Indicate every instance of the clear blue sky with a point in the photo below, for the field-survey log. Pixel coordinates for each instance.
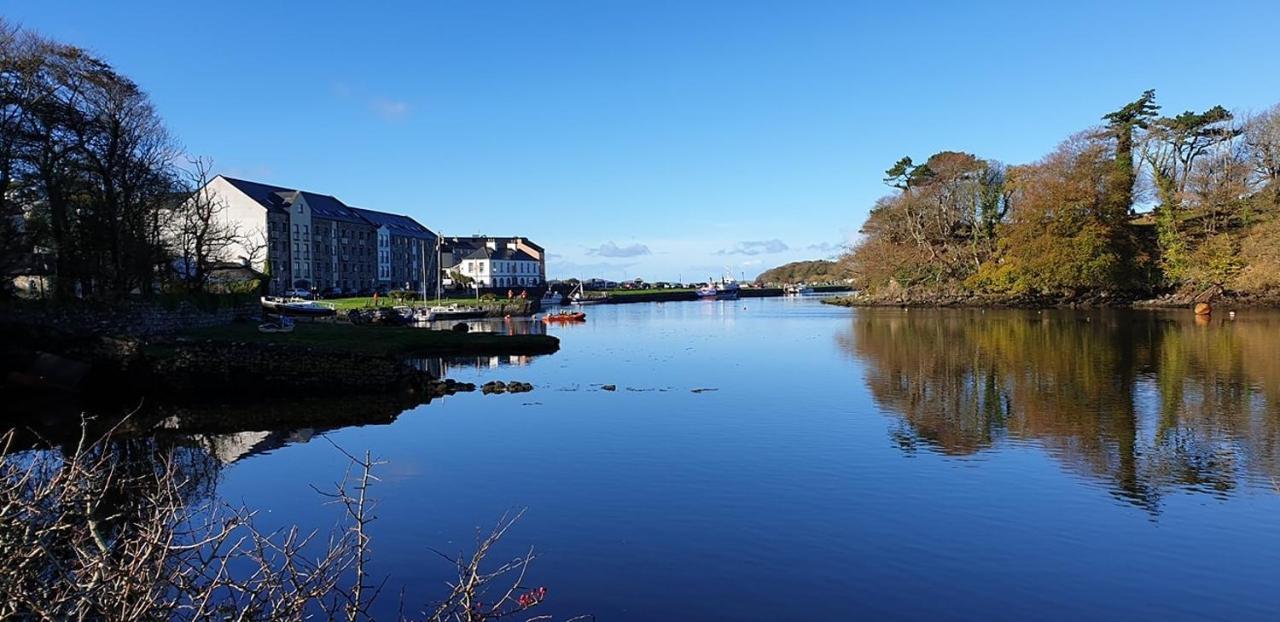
(655, 139)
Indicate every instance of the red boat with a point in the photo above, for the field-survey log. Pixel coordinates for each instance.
(565, 316)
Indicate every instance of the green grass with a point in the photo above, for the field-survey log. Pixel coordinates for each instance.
(622, 293)
(382, 339)
(343, 304)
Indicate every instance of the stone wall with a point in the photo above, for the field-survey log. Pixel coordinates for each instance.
(137, 318)
(233, 371)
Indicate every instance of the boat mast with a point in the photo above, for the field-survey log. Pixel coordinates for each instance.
(423, 277)
(438, 269)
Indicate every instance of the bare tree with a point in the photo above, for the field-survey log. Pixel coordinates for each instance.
(198, 230)
(1262, 136)
(133, 532)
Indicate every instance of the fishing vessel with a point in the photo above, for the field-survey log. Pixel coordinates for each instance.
(551, 297)
(724, 289)
(797, 290)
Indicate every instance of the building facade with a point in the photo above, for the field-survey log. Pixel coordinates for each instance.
(304, 240)
(495, 262)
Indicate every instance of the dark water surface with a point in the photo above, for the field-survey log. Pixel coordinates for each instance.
(839, 464)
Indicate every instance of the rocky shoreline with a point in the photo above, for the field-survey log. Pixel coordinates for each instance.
(1093, 300)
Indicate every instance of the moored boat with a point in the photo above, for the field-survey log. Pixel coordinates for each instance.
(296, 307)
(551, 298)
(565, 317)
(579, 297)
(724, 289)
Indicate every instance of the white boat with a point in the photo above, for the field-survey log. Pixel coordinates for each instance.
(551, 298)
(296, 306)
(440, 313)
(797, 290)
(579, 297)
(724, 289)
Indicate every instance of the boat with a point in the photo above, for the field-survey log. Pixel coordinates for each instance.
(453, 312)
(724, 289)
(565, 317)
(551, 298)
(296, 307)
(281, 324)
(797, 290)
(579, 297)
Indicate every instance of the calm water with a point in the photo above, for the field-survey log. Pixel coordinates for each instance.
(837, 464)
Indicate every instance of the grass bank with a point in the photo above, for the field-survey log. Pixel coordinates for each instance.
(381, 339)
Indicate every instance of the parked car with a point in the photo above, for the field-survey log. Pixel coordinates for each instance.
(298, 292)
(365, 292)
(331, 292)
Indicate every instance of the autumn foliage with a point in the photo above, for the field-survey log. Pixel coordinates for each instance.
(1141, 207)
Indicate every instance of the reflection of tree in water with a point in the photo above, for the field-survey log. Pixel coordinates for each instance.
(1143, 401)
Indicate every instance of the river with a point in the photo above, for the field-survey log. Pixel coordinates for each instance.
(773, 459)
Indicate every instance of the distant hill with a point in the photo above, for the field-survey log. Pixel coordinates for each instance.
(816, 271)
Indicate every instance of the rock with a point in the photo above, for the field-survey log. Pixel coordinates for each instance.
(461, 327)
(493, 386)
(610, 387)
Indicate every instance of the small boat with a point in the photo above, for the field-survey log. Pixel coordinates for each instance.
(551, 298)
(565, 317)
(454, 312)
(440, 313)
(797, 290)
(579, 297)
(724, 289)
(296, 307)
(281, 324)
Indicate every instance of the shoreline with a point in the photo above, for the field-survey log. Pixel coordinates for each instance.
(975, 301)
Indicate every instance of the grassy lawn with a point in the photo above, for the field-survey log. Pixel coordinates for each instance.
(383, 339)
(622, 293)
(343, 304)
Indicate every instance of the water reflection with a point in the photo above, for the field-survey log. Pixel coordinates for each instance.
(447, 366)
(1144, 402)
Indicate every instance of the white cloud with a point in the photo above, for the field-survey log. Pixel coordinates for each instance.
(609, 249)
(390, 109)
(758, 247)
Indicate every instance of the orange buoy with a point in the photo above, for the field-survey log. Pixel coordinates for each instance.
(1203, 308)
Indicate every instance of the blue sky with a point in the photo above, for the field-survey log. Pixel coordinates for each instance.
(656, 139)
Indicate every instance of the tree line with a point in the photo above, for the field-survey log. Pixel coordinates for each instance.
(91, 178)
(1142, 205)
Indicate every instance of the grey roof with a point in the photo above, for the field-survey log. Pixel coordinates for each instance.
(484, 252)
(481, 240)
(268, 196)
(276, 198)
(326, 206)
(397, 224)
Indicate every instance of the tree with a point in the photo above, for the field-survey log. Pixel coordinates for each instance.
(1262, 137)
(86, 161)
(1059, 240)
(197, 229)
(1121, 126)
(1171, 149)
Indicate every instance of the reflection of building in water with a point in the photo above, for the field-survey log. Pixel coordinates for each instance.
(441, 367)
(498, 326)
(1142, 401)
(228, 448)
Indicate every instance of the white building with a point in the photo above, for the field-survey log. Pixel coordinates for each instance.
(496, 262)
